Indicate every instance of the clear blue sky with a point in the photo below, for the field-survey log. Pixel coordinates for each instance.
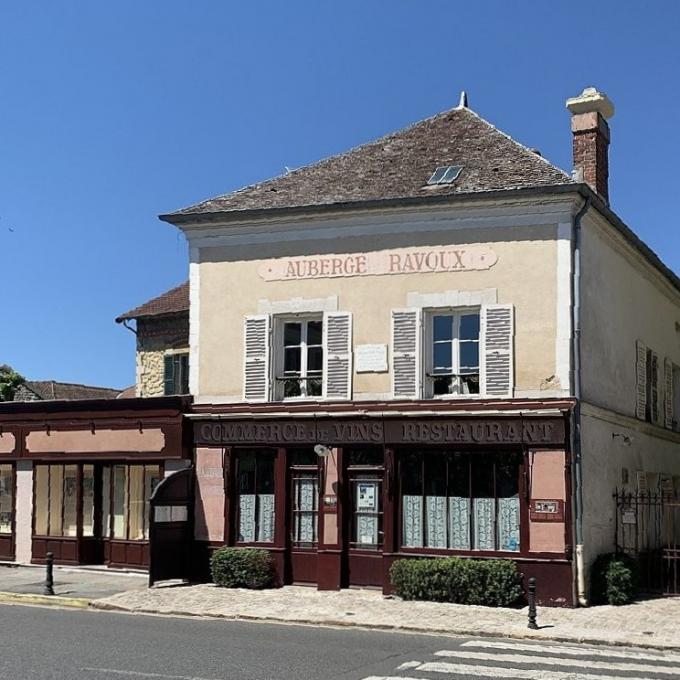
(113, 112)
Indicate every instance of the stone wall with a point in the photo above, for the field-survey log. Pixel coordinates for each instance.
(156, 337)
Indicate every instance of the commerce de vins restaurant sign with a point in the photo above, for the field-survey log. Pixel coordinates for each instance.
(440, 431)
(399, 261)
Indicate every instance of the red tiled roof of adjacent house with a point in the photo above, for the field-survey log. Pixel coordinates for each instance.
(41, 390)
(173, 301)
(398, 166)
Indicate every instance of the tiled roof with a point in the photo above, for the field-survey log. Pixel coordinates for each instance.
(173, 301)
(41, 390)
(398, 166)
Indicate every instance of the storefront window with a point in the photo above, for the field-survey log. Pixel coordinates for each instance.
(88, 500)
(256, 496)
(56, 500)
(460, 501)
(132, 488)
(6, 499)
(305, 507)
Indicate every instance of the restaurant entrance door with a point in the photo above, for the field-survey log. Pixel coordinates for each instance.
(364, 525)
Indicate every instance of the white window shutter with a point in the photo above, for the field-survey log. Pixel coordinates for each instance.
(668, 393)
(406, 353)
(641, 372)
(496, 332)
(337, 355)
(256, 358)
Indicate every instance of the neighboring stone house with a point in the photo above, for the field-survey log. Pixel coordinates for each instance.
(41, 390)
(427, 346)
(162, 330)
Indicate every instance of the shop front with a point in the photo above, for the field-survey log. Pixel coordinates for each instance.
(337, 498)
(85, 472)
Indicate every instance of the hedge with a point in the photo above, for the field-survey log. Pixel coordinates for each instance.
(493, 583)
(614, 579)
(242, 568)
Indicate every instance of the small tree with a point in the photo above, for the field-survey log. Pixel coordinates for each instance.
(10, 380)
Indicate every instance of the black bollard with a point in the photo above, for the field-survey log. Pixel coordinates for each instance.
(531, 596)
(49, 575)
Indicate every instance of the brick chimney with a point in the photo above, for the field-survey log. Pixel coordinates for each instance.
(589, 114)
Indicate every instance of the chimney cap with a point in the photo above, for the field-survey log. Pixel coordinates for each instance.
(591, 100)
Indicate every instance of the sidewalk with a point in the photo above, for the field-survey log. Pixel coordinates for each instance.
(72, 586)
(650, 623)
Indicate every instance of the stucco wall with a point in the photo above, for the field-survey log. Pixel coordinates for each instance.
(623, 301)
(648, 448)
(155, 338)
(524, 275)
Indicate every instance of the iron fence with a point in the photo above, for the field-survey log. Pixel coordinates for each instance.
(648, 528)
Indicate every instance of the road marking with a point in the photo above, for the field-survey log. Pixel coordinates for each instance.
(140, 674)
(572, 651)
(556, 661)
(409, 664)
(522, 673)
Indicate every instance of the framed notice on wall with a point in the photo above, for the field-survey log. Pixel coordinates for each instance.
(366, 496)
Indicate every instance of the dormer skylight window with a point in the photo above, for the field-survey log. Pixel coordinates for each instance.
(445, 174)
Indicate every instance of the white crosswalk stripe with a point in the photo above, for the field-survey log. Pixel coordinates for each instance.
(566, 650)
(497, 659)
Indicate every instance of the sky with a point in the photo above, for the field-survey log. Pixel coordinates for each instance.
(114, 112)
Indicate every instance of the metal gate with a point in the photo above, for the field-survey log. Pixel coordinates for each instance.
(648, 528)
(171, 527)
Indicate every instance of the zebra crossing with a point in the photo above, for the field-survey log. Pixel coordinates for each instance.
(536, 661)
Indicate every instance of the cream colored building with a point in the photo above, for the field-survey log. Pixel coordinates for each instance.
(436, 343)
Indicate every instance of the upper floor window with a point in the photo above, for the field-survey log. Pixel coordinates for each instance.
(656, 389)
(176, 374)
(301, 345)
(453, 365)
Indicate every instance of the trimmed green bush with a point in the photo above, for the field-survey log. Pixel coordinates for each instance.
(614, 579)
(242, 568)
(492, 583)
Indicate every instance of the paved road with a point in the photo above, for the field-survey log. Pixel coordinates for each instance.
(53, 644)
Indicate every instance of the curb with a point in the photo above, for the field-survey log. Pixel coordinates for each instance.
(466, 632)
(44, 600)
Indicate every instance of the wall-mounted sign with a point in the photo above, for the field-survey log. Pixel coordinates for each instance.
(628, 516)
(336, 431)
(370, 358)
(546, 510)
(330, 501)
(399, 261)
(366, 496)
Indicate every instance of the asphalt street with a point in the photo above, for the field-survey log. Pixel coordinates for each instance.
(55, 644)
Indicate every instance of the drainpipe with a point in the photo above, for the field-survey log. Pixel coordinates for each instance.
(576, 412)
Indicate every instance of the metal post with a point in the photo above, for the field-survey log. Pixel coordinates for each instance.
(531, 596)
(49, 575)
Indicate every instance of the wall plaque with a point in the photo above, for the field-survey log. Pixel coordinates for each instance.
(423, 260)
(370, 358)
(546, 510)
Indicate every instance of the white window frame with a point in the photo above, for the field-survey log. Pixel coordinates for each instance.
(428, 347)
(278, 350)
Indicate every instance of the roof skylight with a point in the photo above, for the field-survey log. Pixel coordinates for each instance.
(445, 174)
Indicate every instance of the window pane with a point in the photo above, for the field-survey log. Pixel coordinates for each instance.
(119, 501)
(469, 327)
(265, 472)
(291, 388)
(265, 497)
(442, 357)
(291, 360)
(314, 359)
(484, 503)
(507, 487)
(152, 477)
(136, 503)
(70, 527)
(442, 327)
(292, 333)
(246, 481)
(412, 501)
(56, 497)
(305, 456)
(314, 332)
(459, 502)
(6, 495)
(42, 493)
(435, 501)
(314, 387)
(442, 385)
(469, 355)
(106, 502)
(88, 500)
(305, 506)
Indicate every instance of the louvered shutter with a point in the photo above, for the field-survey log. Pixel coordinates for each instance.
(653, 377)
(641, 372)
(169, 374)
(337, 355)
(406, 355)
(496, 341)
(256, 356)
(668, 393)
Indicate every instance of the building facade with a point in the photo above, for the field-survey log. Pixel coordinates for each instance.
(421, 357)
